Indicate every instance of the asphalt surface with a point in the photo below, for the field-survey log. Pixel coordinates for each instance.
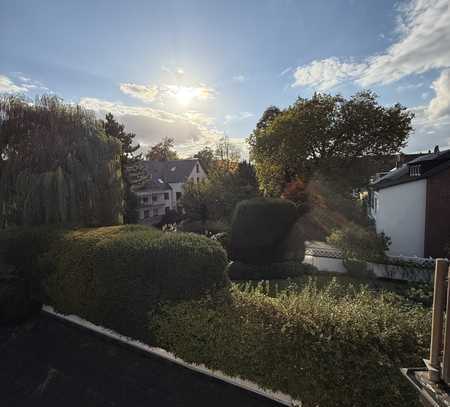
(47, 362)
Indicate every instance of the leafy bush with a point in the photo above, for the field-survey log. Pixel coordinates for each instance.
(289, 269)
(224, 239)
(360, 243)
(258, 229)
(296, 192)
(115, 276)
(322, 347)
(21, 288)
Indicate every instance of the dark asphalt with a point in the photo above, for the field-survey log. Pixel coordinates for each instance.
(46, 362)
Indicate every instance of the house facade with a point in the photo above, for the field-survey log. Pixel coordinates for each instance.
(411, 205)
(159, 185)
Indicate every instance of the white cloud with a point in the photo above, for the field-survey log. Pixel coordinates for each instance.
(230, 118)
(423, 35)
(440, 105)
(8, 86)
(428, 132)
(285, 71)
(142, 92)
(184, 94)
(327, 73)
(191, 130)
(239, 78)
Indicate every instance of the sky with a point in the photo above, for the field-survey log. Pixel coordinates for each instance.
(198, 70)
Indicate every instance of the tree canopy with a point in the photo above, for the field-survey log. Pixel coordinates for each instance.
(57, 165)
(324, 133)
(206, 157)
(162, 151)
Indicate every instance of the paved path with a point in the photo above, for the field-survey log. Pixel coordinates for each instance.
(46, 362)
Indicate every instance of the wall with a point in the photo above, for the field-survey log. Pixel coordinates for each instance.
(437, 233)
(326, 263)
(400, 214)
(160, 203)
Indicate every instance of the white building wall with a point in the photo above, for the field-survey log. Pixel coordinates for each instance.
(194, 176)
(400, 213)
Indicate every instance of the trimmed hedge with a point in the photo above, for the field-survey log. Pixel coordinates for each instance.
(318, 345)
(21, 291)
(259, 227)
(289, 269)
(115, 276)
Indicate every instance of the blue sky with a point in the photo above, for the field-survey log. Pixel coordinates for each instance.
(195, 70)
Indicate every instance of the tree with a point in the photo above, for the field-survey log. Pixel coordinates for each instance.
(325, 133)
(227, 154)
(206, 158)
(57, 165)
(128, 157)
(117, 130)
(162, 151)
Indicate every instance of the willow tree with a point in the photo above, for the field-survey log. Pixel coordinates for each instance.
(57, 165)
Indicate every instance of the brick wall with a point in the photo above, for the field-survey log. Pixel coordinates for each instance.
(437, 220)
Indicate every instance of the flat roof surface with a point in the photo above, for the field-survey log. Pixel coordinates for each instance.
(48, 362)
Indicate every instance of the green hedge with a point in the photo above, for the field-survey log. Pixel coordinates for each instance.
(259, 227)
(318, 345)
(21, 291)
(115, 276)
(289, 269)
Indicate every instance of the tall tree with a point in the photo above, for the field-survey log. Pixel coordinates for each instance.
(325, 133)
(162, 151)
(117, 130)
(227, 154)
(128, 157)
(206, 158)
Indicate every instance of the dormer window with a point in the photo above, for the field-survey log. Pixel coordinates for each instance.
(414, 170)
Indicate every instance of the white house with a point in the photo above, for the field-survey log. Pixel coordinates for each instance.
(159, 185)
(411, 205)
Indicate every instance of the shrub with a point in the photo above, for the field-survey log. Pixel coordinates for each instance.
(319, 346)
(289, 269)
(258, 229)
(115, 276)
(224, 239)
(21, 290)
(360, 243)
(296, 192)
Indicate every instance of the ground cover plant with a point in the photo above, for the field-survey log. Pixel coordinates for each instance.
(325, 346)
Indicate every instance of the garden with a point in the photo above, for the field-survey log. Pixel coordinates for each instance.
(240, 301)
(323, 341)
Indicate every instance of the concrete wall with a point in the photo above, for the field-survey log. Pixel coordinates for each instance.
(400, 214)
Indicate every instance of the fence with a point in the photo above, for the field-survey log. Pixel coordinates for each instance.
(439, 363)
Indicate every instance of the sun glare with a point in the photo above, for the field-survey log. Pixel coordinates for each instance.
(184, 95)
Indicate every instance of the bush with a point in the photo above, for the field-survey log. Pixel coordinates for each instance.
(258, 229)
(319, 346)
(359, 243)
(289, 269)
(224, 239)
(115, 276)
(21, 290)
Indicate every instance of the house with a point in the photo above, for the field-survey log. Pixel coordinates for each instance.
(159, 185)
(411, 205)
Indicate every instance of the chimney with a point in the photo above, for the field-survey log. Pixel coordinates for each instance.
(436, 150)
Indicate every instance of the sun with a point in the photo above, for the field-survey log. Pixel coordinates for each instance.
(184, 95)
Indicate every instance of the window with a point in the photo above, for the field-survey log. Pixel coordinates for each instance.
(145, 199)
(178, 195)
(146, 214)
(155, 212)
(198, 180)
(197, 167)
(414, 170)
(154, 197)
(166, 196)
(167, 210)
